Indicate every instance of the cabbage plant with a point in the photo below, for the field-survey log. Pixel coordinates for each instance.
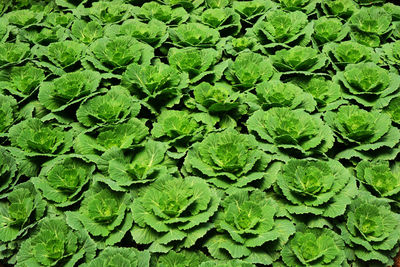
(353, 127)
(369, 84)
(248, 227)
(103, 213)
(63, 179)
(321, 188)
(371, 229)
(37, 138)
(292, 130)
(181, 213)
(314, 247)
(227, 159)
(53, 243)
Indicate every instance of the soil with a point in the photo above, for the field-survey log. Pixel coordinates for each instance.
(397, 260)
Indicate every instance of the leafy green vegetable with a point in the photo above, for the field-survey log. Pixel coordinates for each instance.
(369, 84)
(157, 84)
(227, 159)
(194, 35)
(282, 27)
(119, 52)
(371, 23)
(329, 30)
(371, 229)
(21, 80)
(248, 221)
(298, 59)
(326, 93)
(13, 53)
(114, 107)
(316, 187)
(21, 211)
(314, 247)
(341, 8)
(185, 133)
(68, 89)
(173, 212)
(198, 63)
(217, 98)
(36, 138)
(53, 242)
(361, 129)
(248, 69)
(121, 136)
(380, 178)
(8, 107)
(102, 213)
(8, 168)
(292, 130)
(62, 180)
(278, 94)
(116, 257)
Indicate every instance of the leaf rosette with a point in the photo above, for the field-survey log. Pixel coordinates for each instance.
(380, 179)
(20, 211)
(318, 187)
(370, 25)
(158, 84)
(250, 11)
(8, 170)
(369, 84)
(86, 32)
(249, 227)
(349, 52)
(393, 109)
(275, 93)
(165, 13)
(248, 69)
(281, 28)
(371, 229)
(68, 89)
(122, 136)
(61, 54)
(103, 213)
(21, 80)
(179, 128)
(144, 164)
(109, 54)
(108, 11)
(13, 53)
(227, 159)
(62, 180)
(217, 98)
(197, 63)
(292, 130)
(225, 20)
(339, 8)
(8, 108)
(326, 93)
(329, 30)
(53, 243)
(314, 247)
(307, 6)
(119, 256)
(114, 107)
(194, 34)
(37, 138)
(153, 32)
(298, 59)
(362, 130)
(173, 212)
